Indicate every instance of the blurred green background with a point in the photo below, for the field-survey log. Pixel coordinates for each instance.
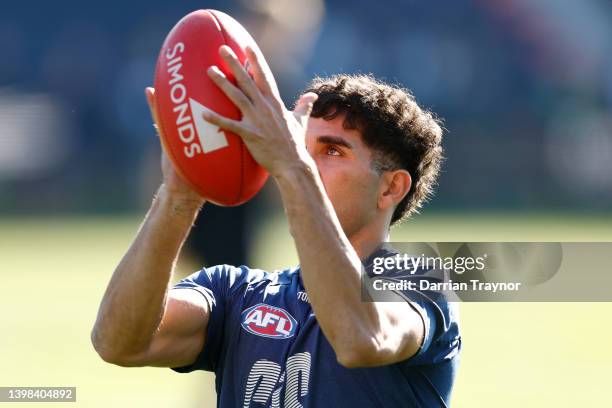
(515, 354)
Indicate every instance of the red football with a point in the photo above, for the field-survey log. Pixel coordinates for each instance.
(216, 163)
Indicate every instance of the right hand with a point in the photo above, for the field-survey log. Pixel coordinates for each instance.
(172, 181)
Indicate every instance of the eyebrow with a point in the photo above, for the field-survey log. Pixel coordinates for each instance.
(336, 140)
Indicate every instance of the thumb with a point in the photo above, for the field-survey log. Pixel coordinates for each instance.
(303, 107)
(150, 94)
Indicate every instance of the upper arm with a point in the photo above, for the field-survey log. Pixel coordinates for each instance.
(181, 334)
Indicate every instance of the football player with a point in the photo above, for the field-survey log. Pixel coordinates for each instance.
(354, 157)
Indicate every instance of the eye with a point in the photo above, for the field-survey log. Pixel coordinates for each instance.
(333, 151)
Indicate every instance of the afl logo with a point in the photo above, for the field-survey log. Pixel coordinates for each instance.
(268, 321)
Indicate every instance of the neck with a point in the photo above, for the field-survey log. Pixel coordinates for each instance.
(368, 238)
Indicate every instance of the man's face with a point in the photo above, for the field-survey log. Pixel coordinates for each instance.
(343, 161)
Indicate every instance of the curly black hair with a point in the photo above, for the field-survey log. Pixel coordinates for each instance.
(400, 134)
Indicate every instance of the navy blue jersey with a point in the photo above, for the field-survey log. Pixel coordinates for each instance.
(267, 350)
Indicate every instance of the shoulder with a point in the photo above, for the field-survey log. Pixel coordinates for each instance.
(229, 277)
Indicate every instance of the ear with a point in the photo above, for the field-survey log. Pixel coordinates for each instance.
(394, 186)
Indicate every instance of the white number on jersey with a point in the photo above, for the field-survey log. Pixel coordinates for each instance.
(265, 382)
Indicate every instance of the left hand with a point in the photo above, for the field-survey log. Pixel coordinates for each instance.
(274, 135)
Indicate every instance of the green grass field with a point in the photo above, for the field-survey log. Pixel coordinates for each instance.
(54, 272)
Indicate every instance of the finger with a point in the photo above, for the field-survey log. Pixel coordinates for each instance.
(303, 107)
(245, 82)
(229, 89)
(262, 75)
(233, 126)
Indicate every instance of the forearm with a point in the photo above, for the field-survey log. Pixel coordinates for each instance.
(330, 266)
(134, 301)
